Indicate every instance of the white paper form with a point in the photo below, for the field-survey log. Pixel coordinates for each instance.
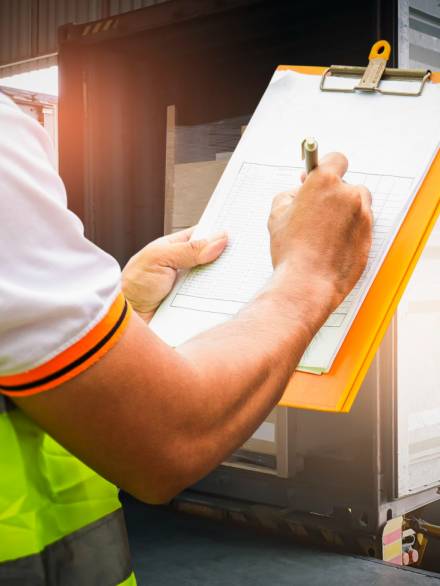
(390, 142)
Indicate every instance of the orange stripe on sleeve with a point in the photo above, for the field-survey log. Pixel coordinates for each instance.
(75, 359)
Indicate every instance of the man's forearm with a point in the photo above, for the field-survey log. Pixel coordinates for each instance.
(242, 368)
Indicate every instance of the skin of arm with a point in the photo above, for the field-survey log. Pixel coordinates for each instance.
(153, 419)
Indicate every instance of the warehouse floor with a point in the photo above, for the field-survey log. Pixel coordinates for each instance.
(170, 548)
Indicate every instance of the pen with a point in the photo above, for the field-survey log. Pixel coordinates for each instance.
(309, 152)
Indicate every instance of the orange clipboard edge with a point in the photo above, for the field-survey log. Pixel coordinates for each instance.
(337, 390)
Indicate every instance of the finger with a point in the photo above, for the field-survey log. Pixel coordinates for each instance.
(185, 255)
(334, 163)
(365, 195)
(181, 236)
(366, 200)
(303, 176)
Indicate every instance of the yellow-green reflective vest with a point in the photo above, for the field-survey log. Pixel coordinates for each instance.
(60, 523)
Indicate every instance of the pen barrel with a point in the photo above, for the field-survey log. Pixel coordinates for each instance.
(310, 154)
(311, 160)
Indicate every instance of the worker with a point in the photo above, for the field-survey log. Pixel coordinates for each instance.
(92, 399)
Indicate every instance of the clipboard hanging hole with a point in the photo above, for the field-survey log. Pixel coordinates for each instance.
(380, 50)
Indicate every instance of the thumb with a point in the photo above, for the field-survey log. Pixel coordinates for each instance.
(185, 255)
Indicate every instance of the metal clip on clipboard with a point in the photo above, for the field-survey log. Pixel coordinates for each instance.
(375, 72)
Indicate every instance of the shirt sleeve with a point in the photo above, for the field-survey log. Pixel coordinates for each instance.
(61, 307)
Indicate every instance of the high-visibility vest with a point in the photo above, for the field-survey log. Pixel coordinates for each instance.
(61, 524)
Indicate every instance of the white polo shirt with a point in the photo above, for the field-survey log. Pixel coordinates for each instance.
(60, 302)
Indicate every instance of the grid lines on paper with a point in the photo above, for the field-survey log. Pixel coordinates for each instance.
(245, 266)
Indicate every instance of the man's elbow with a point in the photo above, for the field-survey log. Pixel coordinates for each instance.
(160, 489)
(159, 486)
(155, 495)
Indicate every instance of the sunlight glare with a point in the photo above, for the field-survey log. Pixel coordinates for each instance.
(44, 81)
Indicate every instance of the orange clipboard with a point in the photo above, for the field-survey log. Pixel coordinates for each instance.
(336, 390)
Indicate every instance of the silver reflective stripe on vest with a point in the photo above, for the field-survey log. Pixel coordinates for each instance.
(6, 404)
(95, 555)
